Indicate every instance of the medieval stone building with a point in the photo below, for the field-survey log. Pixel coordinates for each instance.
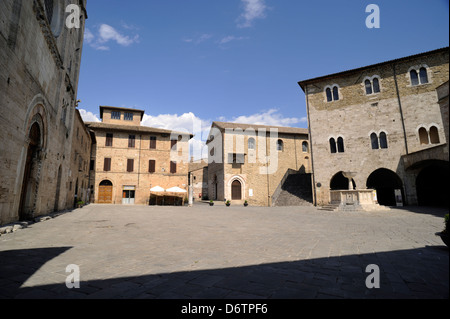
(384, 125)
(135, 164)
(40, 62)
(253, 163)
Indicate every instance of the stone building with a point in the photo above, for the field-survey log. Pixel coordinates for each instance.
(253, 163)
(383, 124)
(40, 62)
(80, 160)
(132, 164)
(198, 179)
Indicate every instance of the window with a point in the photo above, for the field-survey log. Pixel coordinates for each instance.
(383, 140)
(372, 86)
(115, 115)
(173, 145)
(152, 142)
(374, 141)
(280, 145)
(128, 116)
(131, 141)
(340, 144)
(332, 93)
(329, 96)
(434, 135)
(335, 93)
(251, 143)
(305, 147)
(333, 145)
(173, 167)
(212, 151)
(423, 76)
(423, 136)
(109, 139)
(107, 164)
(236, 158)
(151, 166)
(130, 165)
(414, 77)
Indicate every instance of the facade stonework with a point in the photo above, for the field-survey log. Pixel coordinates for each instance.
(238, 168)
(377, 123)
(129, 160)
(40, 62)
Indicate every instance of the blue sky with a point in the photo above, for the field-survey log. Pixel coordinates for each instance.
(190, 62)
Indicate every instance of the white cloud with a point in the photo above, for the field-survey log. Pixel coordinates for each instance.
(88, 116)
(231, 38)
(106, 34)
(270, 117)
(198, 39)
(253, 9)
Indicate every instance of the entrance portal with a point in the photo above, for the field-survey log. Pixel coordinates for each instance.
(385, 182)
(340, 182)
(236, 190)
(105, 191)
(31, 174)
(432, 185)
(128, 195)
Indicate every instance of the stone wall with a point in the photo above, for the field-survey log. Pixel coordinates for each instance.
(40, 63)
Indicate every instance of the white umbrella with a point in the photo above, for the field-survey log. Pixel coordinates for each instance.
(176, 190)
(157, 189)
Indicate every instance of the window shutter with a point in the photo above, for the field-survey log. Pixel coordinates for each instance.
(173, 167)
(109, 139)
(130, 165)
(131, 140)
(107, 165)
(152, 142)
(151, 166)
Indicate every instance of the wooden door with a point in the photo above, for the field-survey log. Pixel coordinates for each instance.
(105, 194)
(236, 190)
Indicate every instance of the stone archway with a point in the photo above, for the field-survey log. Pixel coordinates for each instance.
(385, 182)
(340, 182)
(432, 185)
(31, 176)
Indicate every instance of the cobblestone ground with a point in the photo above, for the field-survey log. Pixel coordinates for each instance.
(227, 253)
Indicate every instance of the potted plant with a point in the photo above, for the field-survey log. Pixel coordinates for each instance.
(245, 203)
(211, 203)
(80, 204)
(228, 203)
(444, 234)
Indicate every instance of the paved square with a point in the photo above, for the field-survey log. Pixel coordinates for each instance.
(227, 252)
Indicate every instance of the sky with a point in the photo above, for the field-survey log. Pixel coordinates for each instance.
(188, 63)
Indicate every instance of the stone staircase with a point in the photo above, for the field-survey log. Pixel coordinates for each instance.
(329, 207)
(296, 190)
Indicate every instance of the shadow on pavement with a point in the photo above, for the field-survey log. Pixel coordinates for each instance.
(413, 273)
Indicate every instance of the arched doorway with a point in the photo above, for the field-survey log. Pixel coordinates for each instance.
(31, 173)
(340, 182)
(385, 182)
(105, 191)
(236, 190)
(432, 185)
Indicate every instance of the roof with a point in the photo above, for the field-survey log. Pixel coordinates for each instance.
(114, 108)
(132, 128)
(281, 129)
(348, 72)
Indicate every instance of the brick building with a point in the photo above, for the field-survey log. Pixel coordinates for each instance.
(383, 123)
(252, 163)
(40, 62)
(128, 159)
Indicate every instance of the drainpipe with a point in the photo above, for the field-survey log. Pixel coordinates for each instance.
(311, 148)
(400, 109)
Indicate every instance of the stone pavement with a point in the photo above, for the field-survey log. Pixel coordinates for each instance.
(221, 252)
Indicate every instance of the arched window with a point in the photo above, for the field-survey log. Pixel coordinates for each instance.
(423, 76)
(376, 85)
(280, 145)
(374, 141)
(329, 96)
(434, 135)
(335, 93)
(383, 140)
(340, 144)
(305, 147)
(333, 145)
(423, 136)
(251, 143)
(368, 86)
(414, 77)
